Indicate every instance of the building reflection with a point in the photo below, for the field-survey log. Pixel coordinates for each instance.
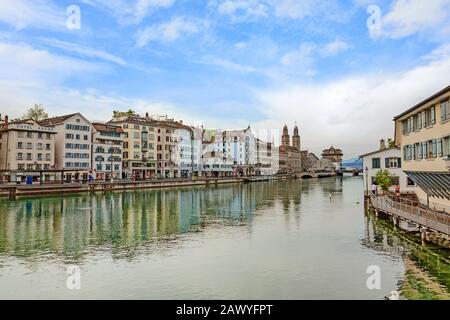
(73, 226)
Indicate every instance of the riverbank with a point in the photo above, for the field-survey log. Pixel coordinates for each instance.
(15, 191)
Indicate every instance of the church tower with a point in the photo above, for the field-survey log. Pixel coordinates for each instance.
(296, 139)
(285, 138)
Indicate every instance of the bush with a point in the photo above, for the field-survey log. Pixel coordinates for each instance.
(384, 179)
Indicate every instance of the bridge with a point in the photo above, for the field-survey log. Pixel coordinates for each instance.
(411, 211)
(314, 175)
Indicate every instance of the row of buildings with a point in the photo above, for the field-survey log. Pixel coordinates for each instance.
(135, 147)
(419, 156)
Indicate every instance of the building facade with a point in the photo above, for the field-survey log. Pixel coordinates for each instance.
(27, 149)
(389, 159)
(239, 145)
(266, 158)
(423, 134)
(334, 155)
(107, 151)
(290, 156)
(72, 146)
(139, 146)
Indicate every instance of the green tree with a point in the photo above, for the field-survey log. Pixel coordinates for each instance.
(117, 114)
(384, 179)
(391, 143)
(36, 113)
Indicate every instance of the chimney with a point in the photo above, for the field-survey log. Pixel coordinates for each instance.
(382, 144)
(6, 122)
(181, 121)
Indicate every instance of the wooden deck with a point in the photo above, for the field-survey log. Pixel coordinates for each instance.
(412, 212)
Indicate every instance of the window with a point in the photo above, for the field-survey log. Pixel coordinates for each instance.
(376, 163)
(391, 163)
(29, 145)
(47, 157)
(29, 135)
(445, 110)
(20, 145)
(125, 126)
(425, 150)
(29, 156)
(419, 151)
(39, 135)
(85, 137)
(434, 147)
(19, 156)
(39, 146)
(431, 116)
(409, 182)
(39, 156)
(446, 147)
(21, 166)
(440, 151)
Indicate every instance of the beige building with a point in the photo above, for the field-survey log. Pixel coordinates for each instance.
(107, 143)
(423, 134)
(26, 149)
(139, 146)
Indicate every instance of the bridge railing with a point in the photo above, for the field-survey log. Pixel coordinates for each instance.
(413, 211)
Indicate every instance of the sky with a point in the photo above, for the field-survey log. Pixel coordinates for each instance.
(340, 70)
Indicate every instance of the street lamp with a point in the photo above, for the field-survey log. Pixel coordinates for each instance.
(367, 180)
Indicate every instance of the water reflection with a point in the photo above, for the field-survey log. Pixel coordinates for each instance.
(382, 237)
(72, 226)
(273, 240)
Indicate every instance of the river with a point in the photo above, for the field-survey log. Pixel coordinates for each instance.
(271, 240)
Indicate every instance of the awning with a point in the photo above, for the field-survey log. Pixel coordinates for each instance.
(435, 184)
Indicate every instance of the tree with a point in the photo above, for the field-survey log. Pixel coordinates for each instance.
(383, 178)
(391, 143)
(36, 113)
(117, 114)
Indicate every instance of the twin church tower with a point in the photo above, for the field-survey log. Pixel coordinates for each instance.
(285, 139)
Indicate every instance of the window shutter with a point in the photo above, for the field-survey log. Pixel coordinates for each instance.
(399, 162)
(386, 162)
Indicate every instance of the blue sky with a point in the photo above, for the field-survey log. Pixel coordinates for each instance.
(227, 63)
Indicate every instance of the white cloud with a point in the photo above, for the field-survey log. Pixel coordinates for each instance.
(37, 13)
(167, 32)
(86, 51)
(23, 64)
(306, 56)
(228, 65)
(407, 17)
(333, 48)
(243, 9)
(353, 112)
(130, 13)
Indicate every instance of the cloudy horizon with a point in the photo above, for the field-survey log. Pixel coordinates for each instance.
(230, 63)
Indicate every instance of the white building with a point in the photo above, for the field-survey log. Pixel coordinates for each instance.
(390, 159)
(107, 147)
(217, 164)
(72, 145)
(182, 156)
(240, 145)
(267, 159)
(197, 151)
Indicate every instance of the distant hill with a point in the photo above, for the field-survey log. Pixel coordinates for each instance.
(354, 163)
